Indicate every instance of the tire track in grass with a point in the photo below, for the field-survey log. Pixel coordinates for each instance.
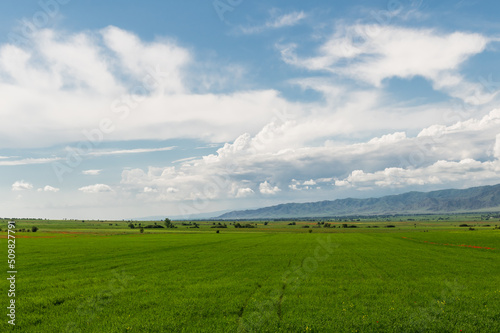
(280, 300)
(241, 311)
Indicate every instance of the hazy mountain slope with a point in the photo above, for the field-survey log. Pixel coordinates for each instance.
(443, 201)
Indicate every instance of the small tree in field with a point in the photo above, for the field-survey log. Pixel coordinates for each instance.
(169, 223)
(34, 229)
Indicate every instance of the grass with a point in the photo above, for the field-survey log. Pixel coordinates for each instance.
(78, 277)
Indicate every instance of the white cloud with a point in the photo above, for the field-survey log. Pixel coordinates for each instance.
(129, 151)
(185, 159)
(309, 182)
(21, 185)
(375, 53)
(441, 172)
(276, 22)
(244, 192)
(91, 172)
(266, 188)
(141, 59)
(97, 188)
(261, 160)
(110, 85)
(48, 188)
(27, 161)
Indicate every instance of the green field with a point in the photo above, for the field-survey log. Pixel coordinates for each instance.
(91, 276)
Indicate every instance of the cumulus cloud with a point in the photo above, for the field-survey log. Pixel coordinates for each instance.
(97, 188)
(376, 52)
(21, 185)
(244, 192)
(91, 172)
(266, 188)
(309, 182)
(48, 188)
(441, 172)
(464, 151)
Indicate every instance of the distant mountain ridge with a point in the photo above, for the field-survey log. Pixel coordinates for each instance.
(474, 199)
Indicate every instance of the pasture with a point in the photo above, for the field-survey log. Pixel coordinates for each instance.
(102, 276)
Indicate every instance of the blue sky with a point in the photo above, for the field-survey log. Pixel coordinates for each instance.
(177, 108)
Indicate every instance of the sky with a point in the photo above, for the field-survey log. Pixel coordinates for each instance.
(123, 110)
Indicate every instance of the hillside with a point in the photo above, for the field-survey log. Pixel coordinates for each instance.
(444, 201)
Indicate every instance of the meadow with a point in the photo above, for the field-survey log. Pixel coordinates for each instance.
(102, 276)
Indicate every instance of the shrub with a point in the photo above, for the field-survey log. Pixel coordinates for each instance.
(154, 226)
(34, 229)
(464, 225)
(305, 226)
(390, 226)
(310, 230)
(142, 230)
(238, 225)
(131, 226)
(219, 226)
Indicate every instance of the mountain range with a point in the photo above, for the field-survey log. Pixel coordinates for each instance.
(474, 199)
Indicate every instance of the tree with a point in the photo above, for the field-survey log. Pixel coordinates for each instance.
(34, 229)
(168, 223)
(131, 225)
(142, 230)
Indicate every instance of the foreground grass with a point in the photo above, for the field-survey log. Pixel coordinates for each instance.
(398, 281)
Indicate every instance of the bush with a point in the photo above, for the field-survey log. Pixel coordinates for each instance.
(305, 226)
(219, 226)
(34, 229)
(142, 230)
(390, 226)
(248, 225)
(310, 230)
(131, 226)
(154, 226)
(464, 225)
